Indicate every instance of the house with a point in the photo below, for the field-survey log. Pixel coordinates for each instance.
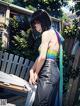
(6, 11)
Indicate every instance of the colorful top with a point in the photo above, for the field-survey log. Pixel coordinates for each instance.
(52, 54)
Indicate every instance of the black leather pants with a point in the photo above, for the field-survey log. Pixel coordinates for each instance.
(47, 84)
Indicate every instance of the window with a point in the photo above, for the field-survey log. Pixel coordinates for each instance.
(1, 14)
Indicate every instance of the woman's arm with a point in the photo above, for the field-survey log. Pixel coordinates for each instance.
(43, 50)
(34, 65)
(32, 73)
(40, 60)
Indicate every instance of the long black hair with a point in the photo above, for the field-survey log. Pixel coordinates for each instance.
(43, 17)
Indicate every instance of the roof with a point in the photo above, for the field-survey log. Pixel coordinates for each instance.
(17, 8)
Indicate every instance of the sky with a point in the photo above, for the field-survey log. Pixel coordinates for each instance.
(66, 9)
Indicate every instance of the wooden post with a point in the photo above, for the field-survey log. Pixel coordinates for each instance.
(5, 34)
(7, 16)
(5, 39)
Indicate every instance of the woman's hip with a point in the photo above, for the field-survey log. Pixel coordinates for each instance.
(49, 72)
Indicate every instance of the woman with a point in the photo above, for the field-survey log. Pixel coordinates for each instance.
(45, 72)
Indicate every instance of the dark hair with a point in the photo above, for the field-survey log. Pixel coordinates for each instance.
(43, 17)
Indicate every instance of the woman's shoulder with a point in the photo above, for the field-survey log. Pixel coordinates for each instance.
(48, 32)
(45, 32)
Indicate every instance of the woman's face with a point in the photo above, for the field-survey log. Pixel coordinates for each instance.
(37, 26)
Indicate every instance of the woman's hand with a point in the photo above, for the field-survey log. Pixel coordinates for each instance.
(33, 77)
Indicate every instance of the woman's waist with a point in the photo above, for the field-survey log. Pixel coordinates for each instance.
(52, 54)
(49, 62)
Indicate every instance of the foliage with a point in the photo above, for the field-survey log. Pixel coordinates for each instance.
(65, 71)
(70, 30)
(64, 17)
(21, 40)
(77, 7)
(52, 6)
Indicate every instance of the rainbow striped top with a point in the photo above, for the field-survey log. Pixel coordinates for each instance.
(52, 54)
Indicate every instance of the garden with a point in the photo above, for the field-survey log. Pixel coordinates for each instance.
(22, 42)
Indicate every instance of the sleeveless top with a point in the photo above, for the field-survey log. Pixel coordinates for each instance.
(52, 54)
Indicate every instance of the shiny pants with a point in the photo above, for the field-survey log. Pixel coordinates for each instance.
(47, 84)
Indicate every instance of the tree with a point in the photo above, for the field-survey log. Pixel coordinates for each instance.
(51, 6)
(21, 39)
(77, 8)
